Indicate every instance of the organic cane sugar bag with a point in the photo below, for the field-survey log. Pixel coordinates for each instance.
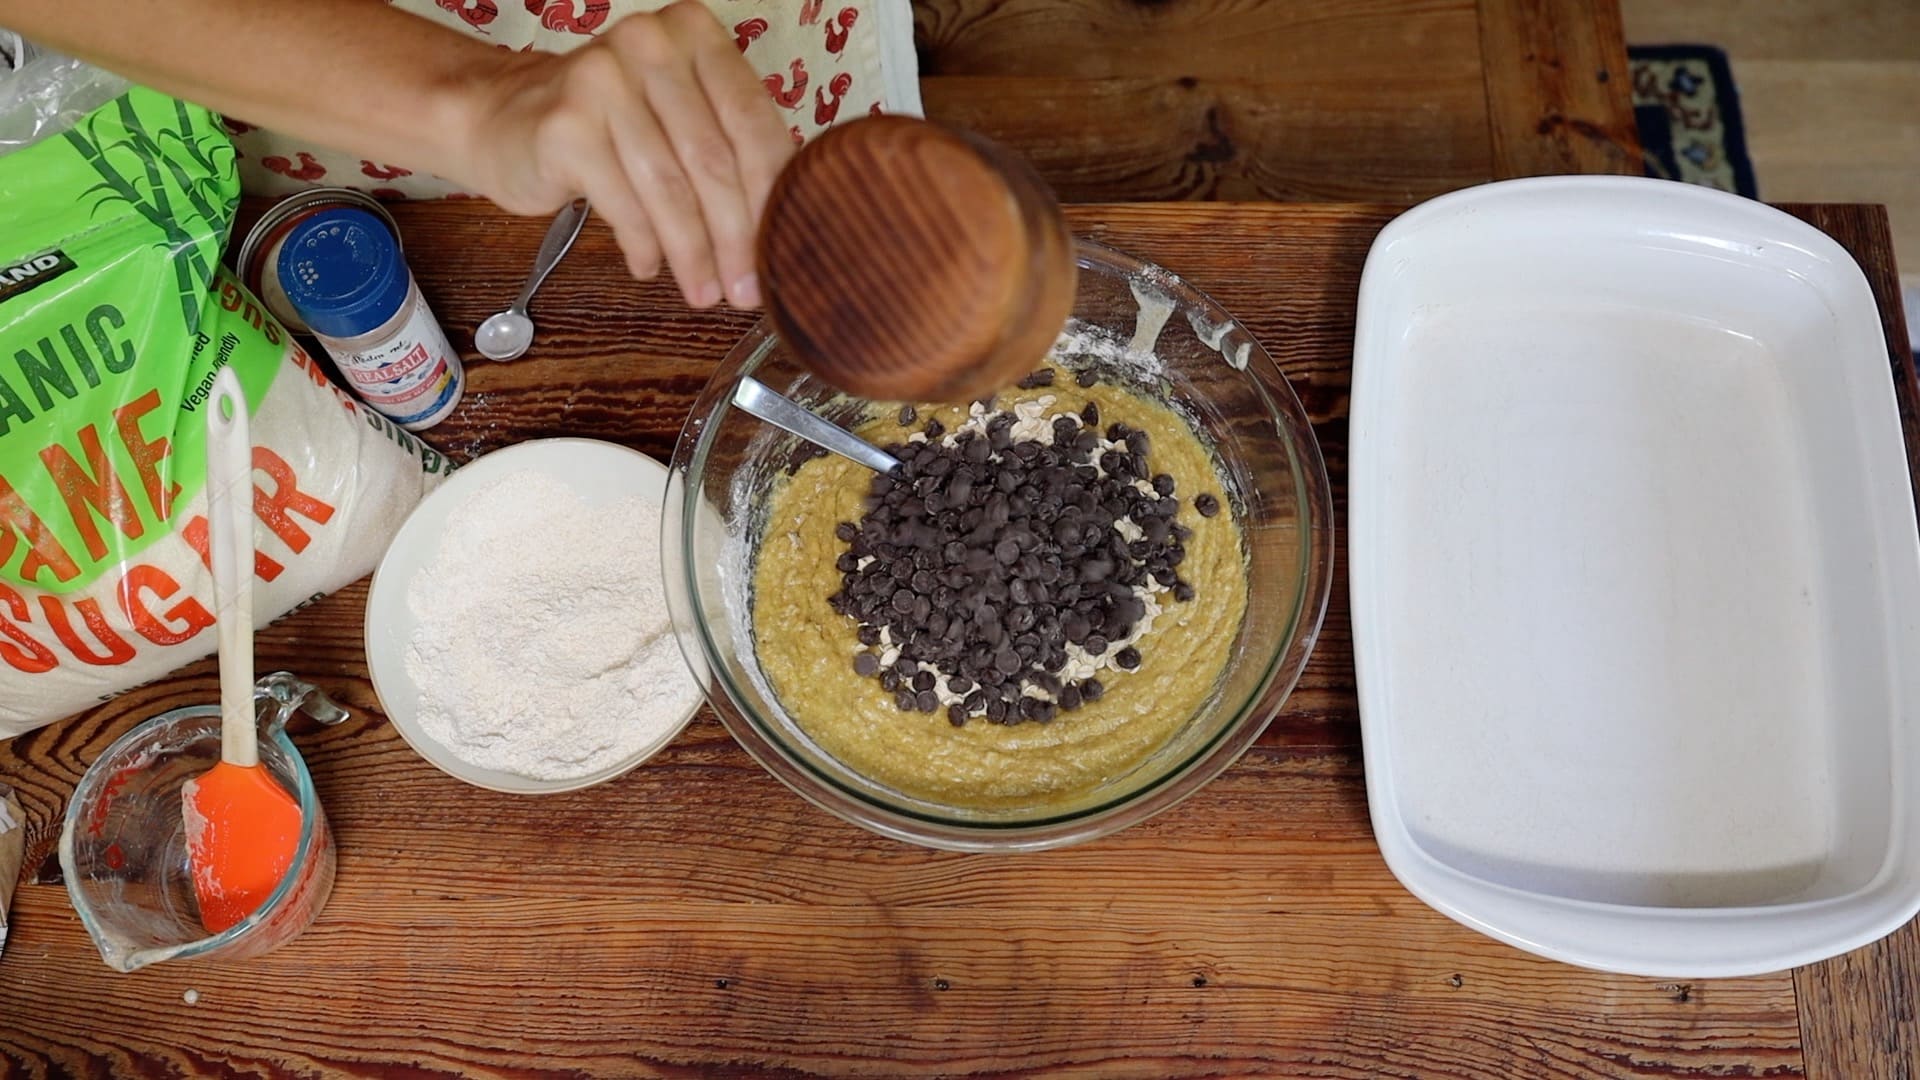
(114, 317)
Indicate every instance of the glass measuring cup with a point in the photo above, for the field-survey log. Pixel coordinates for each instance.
(124, 848)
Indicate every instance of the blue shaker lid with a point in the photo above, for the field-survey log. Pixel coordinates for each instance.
(343, 273)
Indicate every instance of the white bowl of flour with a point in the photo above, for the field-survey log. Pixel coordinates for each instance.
(517, 633)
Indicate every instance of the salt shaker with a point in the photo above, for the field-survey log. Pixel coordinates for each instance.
(344, 273)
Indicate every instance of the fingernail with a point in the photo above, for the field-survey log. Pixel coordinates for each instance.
(746, 291)
(707, 295)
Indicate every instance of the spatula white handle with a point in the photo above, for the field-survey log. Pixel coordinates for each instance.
(230, 537)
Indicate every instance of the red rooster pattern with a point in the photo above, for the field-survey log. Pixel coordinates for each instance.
(308, 169)
(788, 97)
(475, 13)
(838, 29)
(559, 14)
(826, 108)
(816, 60)
(746, 31)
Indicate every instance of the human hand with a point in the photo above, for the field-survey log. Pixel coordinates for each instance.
(659, 122)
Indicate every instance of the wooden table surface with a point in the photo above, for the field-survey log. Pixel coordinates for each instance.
(1289, 100)
(697, 918)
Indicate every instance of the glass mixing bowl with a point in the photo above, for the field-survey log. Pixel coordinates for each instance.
(1206, 367)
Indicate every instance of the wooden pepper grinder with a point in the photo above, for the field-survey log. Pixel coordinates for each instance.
(903, 261)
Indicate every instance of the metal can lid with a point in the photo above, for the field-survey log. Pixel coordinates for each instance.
(343, 272)
(258, 259)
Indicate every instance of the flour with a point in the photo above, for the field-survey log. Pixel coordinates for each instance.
(544, 648)
(1154, 308)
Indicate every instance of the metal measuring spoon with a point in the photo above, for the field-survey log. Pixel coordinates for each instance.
(763, 401)
(507, 334)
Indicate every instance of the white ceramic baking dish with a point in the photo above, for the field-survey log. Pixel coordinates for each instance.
(1635, 578)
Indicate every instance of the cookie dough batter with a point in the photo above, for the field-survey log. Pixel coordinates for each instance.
(805, 647)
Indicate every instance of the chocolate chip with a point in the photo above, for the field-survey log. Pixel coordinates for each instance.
(904, 701)
(1207, 503)
(908, 414)
(1042, 377)
(1182, 591)
(1085, 379)
(1070, 697)
(1128, 658)
(1092, 690)
(927, 701)
(957, 715)
(866, 665)
(846, 531)
(935, 429)
(985, 568)
(1090, 415)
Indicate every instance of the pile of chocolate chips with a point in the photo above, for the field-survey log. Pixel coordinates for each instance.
(983, 559)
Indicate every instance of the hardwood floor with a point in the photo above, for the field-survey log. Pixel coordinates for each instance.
(1831, 94)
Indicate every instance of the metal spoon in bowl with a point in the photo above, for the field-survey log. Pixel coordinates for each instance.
(761, 400)
(507, 334)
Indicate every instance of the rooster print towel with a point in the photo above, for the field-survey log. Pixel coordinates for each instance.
(820, 60)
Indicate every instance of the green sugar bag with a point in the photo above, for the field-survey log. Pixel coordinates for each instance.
(115, 314)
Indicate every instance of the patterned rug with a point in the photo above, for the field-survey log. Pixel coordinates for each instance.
(1689, 117)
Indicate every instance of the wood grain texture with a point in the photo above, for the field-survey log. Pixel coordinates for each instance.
(1299, 100)
(1386, 138)
(695, 918)
(1781, 29)
(904, 261)
(1557, 96)
(1860, 1013)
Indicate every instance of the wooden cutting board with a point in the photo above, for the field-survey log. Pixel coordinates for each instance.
(697, 918)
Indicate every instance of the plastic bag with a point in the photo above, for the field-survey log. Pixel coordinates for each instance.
(44, 93)
(114, 317)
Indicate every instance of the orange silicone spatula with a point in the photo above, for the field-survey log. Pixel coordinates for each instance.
(242, 826)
